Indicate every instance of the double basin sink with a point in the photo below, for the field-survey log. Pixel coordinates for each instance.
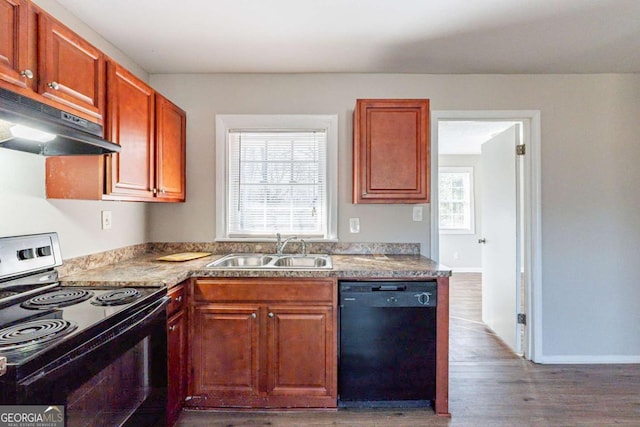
(274, 261)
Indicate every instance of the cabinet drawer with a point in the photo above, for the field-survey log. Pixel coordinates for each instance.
(264, 289)
(177, 295)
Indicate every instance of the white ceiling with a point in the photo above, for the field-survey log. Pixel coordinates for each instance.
(373, 36)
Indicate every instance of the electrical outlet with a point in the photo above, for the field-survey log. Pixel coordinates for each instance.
(354, 225)
(106, 220)
(417, 213)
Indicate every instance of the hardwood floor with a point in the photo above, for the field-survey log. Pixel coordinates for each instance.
(489, 386)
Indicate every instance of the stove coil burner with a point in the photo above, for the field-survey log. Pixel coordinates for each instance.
(57, 299)
(7, 294)
(117, 297)
(34, 332)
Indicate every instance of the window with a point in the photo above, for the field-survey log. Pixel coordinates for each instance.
(455, 192)
(276, 174)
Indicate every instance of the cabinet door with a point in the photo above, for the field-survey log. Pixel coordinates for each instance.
(71, 70)
(177, 365)
(225, 354)
(391, 151)
(131, 114)
(14, 43)
(171, 124)
(302, 357)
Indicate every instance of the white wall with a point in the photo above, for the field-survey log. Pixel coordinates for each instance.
(590, 201)
(466, 246)
(205, 96)
(23, 206)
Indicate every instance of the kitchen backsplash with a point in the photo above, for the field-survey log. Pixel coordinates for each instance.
(88, 262)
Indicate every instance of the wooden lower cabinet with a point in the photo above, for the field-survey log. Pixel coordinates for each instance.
(176, 353)
(225, 353)
(255, 344)
(299, 340)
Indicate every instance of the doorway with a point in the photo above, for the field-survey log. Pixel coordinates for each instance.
(457, 143)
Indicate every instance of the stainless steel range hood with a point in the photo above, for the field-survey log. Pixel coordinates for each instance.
(34, 127)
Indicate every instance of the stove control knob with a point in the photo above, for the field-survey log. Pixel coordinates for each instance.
(24, 254)
(43, 251)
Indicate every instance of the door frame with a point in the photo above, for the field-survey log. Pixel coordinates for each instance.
(532, 230)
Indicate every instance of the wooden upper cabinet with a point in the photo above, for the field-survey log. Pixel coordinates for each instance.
(151, 165)
(131, 124)
(71, 71)
(171, 124)
(391, 151)
(15, 64)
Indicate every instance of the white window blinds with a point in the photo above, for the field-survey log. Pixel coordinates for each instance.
(277, 183)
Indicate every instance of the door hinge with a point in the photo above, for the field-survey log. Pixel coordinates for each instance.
(522, 319)
(520, 150)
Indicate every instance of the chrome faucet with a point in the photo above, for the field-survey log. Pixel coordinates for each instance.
(280, 244)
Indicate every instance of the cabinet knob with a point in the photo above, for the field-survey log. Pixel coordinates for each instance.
(172, 328)
(163, 190)
(270, 314)
(178, 298)
(155, 191)
(54, 85)
(253, 315)
(27, 73)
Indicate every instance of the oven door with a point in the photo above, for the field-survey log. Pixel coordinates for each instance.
(119, 378)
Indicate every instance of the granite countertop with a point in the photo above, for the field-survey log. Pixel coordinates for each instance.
(145, 270)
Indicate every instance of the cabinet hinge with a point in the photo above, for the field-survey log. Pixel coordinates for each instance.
(522, 319)
(520, 150)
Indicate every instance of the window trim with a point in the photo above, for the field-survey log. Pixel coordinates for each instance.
(227, 122)
(472, 196)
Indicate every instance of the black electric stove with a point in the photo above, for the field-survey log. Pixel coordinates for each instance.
(34, 327)
(49, 331)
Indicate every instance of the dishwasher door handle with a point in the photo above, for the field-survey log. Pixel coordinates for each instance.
(390, 288)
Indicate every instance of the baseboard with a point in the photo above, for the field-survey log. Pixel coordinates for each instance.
(589, 360)
(466, 269)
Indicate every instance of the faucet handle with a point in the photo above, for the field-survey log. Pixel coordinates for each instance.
(278, 243)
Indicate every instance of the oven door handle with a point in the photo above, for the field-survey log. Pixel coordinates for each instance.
(156, 308)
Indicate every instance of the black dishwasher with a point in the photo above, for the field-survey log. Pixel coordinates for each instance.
(387, 344)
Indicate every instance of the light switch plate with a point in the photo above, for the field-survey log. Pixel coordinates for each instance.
(106, 220)
(417, 213)
(354, 225)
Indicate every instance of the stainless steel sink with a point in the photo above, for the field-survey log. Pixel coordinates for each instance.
(273, 261)
(242, 261)
(308, 261)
